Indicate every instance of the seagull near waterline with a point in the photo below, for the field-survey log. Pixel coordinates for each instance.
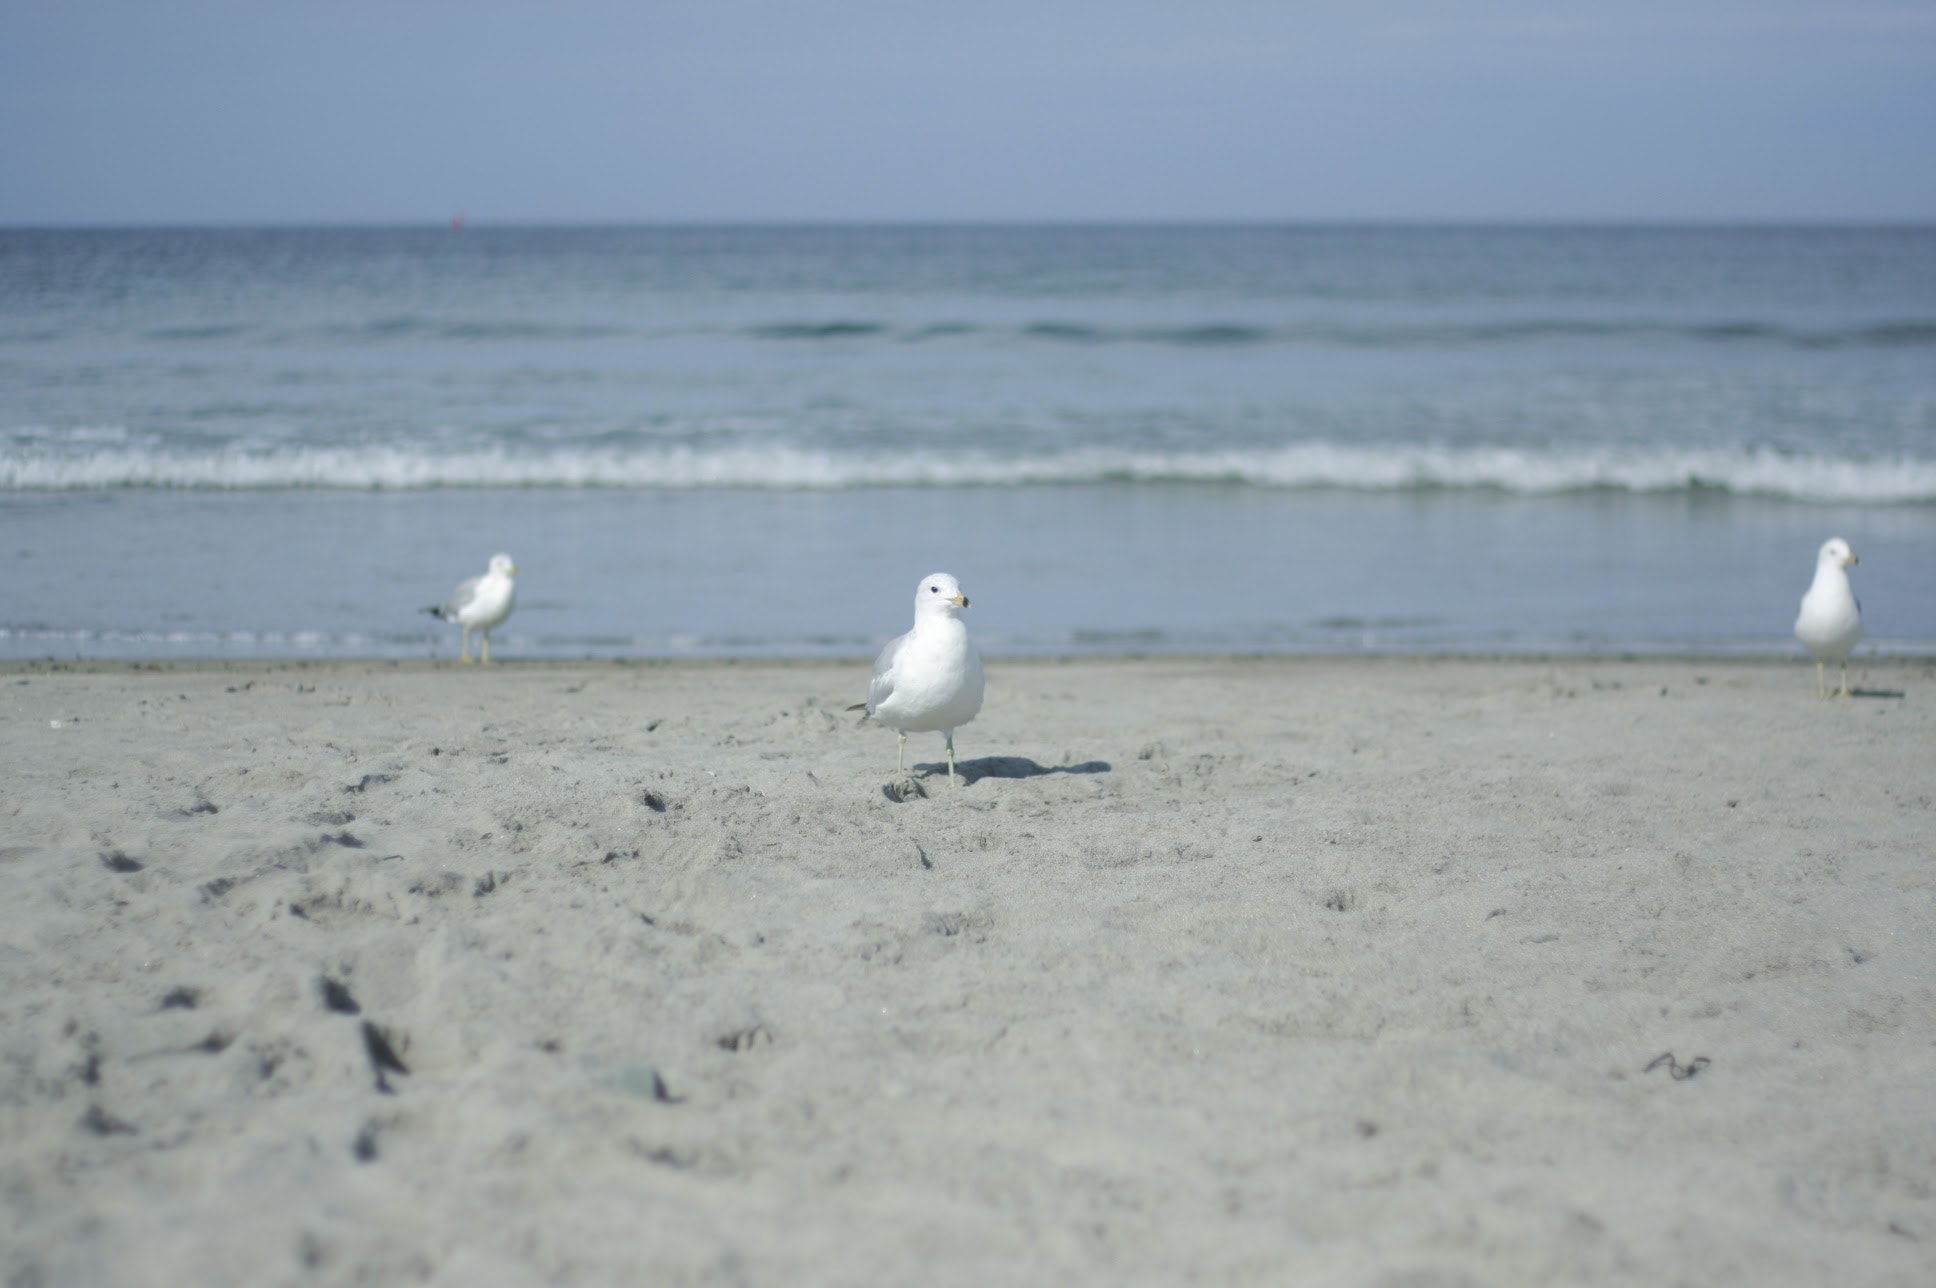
(1831, 620)
(929, 680)
(480, 604)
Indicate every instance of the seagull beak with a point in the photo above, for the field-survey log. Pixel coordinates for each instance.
(1852, 560)
(514, 570)
(959, 601)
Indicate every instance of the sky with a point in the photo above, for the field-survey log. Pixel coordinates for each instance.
(354, 111)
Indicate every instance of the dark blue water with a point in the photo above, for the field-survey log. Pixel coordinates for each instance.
(745, 440)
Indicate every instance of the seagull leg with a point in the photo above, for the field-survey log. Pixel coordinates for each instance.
(900, 756)
(950, 735)
(485, 649)
(464, 655)
(1821, 680)
(1845, 680)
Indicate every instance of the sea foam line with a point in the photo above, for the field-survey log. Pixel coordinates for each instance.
(1392, 468)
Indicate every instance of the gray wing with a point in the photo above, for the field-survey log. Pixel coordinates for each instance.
(459, 599)
(882, 684)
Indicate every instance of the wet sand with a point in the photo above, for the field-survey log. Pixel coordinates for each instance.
(1242, 971)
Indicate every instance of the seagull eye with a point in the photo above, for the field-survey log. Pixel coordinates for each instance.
(934, 590)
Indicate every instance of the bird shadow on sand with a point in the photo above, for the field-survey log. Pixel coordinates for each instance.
(1010, 767)
(1878, 693)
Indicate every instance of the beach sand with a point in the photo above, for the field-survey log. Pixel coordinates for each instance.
(1403, 972)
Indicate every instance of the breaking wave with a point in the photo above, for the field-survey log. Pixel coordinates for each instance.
(1307, 465)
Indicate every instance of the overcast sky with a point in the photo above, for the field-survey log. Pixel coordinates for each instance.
(164, 111)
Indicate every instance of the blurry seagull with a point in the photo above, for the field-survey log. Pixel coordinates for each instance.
(481, 603)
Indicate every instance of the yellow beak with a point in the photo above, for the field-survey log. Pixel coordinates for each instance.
(959, 601)
(1853, 561)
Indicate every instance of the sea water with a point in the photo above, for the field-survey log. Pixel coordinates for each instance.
(754, 440)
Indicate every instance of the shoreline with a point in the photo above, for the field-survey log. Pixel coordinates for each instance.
(807, 661)
(1189, 574)
(1348, 970)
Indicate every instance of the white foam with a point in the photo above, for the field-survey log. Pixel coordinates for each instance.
(1752, 472)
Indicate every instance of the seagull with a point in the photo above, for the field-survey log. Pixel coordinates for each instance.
(1831, 620)
(481, 603)
(929, 679)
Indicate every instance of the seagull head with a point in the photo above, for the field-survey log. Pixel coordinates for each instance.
(939, 594)
(501, 566)
(1836, 554)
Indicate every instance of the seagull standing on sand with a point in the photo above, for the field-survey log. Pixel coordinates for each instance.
(481, 603)
(929, 680)
(1831, 620)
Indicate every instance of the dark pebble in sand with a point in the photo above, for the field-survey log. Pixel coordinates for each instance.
(337, 998)
(102, 1123)
(383, 1056)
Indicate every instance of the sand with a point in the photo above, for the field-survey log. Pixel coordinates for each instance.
(1231, 971)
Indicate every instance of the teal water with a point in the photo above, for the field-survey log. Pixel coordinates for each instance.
(743, 440)
(1094, 568)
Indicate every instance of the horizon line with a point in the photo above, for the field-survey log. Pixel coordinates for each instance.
(458, 222)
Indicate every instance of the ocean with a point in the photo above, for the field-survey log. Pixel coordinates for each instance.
(739, 440)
